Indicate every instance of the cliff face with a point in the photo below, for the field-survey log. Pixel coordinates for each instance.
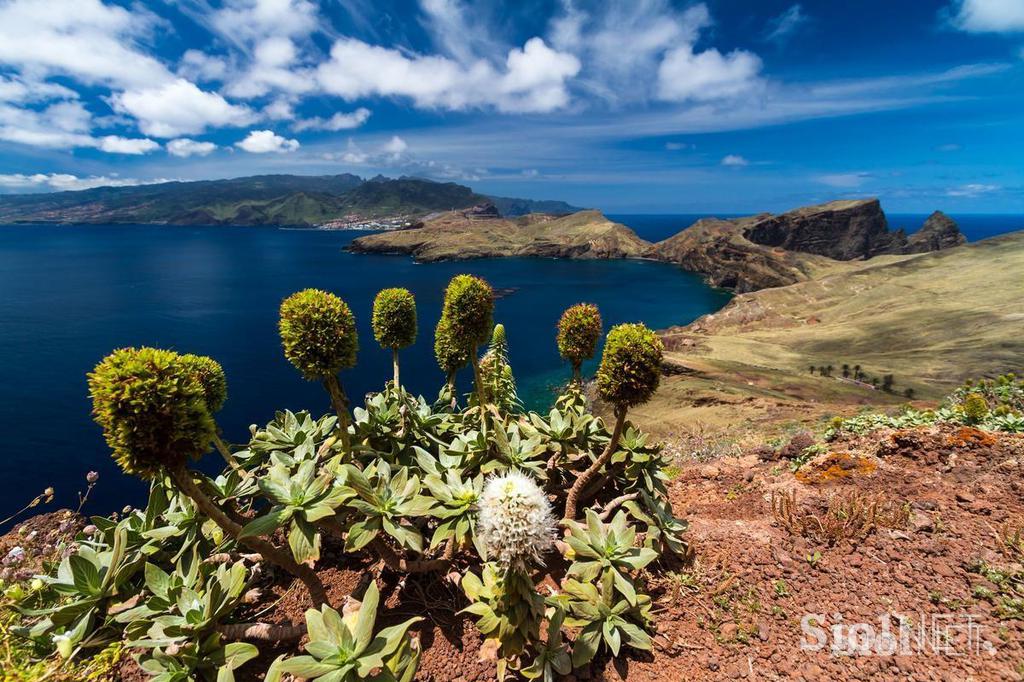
(767, 250)
(462, 235)
(843, 230)
(938, 232)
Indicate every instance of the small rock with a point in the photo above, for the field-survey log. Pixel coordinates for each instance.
(965, 497)
(729, 631)
(709, 471)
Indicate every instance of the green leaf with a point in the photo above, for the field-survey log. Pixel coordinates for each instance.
(304, 541)
(85, 575)
(305, 666)
(585, 647)
(361, 533)
(367, 616)
(265, 525)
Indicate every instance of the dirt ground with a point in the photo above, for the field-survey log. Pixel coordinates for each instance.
(772, 594)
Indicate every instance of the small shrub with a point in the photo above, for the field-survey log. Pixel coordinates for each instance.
(850, 516)
(631, 365)
(579, 330)
(318, 333)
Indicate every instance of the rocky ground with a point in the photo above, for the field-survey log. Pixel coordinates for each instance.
(909, 526)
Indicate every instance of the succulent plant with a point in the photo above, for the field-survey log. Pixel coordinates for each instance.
(496, 373)
(394, 322)
(469, 309)
(210, 376)
(451, 355)
(975, 408)
(346, 648)
(508, 608)
(300, 499)
(152, 408)
(630, 366)
(516, 525)
(552, 661)
(385, 502)
(605, 553)
(457, 500)
(318, 333)
(603, 619)
(579, 330)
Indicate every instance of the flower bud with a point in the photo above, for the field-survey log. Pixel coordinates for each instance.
(516, 524)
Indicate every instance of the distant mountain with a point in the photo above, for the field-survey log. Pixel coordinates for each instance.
(511, 208)
(298, 200)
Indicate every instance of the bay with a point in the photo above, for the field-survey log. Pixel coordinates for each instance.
(69, 295)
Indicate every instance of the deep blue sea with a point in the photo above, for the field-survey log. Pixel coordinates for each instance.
(69, 295)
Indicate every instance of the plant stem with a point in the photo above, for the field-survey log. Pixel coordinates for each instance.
(394, 361)
(573, 498)
(481, 394)
(397, 563)
(263, 632)
(340, 403)
(182, 477)
(225, 452)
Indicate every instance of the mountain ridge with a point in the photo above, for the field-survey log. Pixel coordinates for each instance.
(277, 199)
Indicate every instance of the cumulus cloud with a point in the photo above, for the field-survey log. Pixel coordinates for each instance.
(196, 65)
(988, 16)
(395, 145)
(86, 39)
(19, 90)
(67, 182)
(180, 108)
(257, 19)
(185, 147)
(267, 141)
(339, 121)
(533, 80)
(275, 67)
(686, 75)
(782, 27)
(734, 160)
(59, 126)
(124, 145)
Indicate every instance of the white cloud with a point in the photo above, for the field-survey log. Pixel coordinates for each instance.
(705, 76)
(395, 145)
(275, 67)
(86, 39)
(281, 109)
(339, 121)
(734, 160)
(972, 190)
(989, 16)
(266, 141)
(254, 20)
(782, 27)
(196, 65)
(180, 108)
(534, 79)
(844, 180)
(59, 126)
(67, 182)
(621, 44)
(123, 145)
(185, 147)
(15, 89)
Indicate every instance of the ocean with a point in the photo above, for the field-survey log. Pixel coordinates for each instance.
(69, 295)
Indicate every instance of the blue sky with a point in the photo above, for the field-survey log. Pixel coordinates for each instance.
(632, 106)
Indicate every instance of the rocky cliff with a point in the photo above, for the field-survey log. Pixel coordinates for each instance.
(938, 232)
(464, 235)
(768, 250)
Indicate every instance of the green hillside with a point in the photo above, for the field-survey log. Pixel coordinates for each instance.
(297, 200)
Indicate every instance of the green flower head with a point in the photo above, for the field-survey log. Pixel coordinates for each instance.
(631, 365)
(210, 376)
(578, 332)
(469, 308)
(394, 318)
(152, 407)
(318, 333)
(451, 356)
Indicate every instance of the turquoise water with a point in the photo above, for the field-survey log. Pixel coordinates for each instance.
(68, 295)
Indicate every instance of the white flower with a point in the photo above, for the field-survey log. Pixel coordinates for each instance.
(516, 525)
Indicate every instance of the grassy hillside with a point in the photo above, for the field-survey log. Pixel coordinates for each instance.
(930, 320)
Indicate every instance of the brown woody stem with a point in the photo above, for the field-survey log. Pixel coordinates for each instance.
(614, 504)
(573, 498)
(225, 452)
(182, 477)
(394, 361)
(340, 403)
(263, 632)
(397, 563)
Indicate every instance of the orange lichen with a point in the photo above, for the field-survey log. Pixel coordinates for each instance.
(836, 466)
(970, 437)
